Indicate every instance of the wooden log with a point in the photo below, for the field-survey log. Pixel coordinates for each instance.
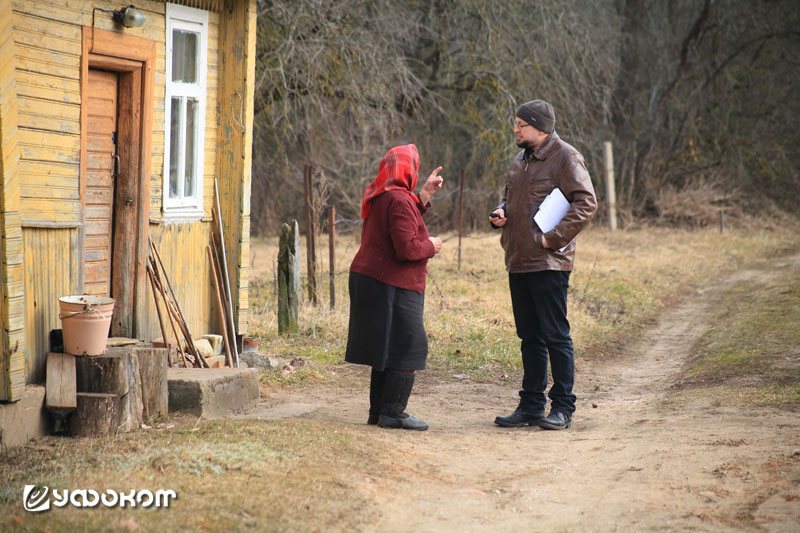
(115, 372)
(311, 248)
(153, 377)
(60, 384)
(611, 194)
(332, 252)
(97, 414)
(288, 279)
(460, 215)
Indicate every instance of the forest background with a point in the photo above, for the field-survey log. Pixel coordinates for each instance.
(698, 97)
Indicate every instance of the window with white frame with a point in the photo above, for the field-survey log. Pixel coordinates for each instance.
(184, 114)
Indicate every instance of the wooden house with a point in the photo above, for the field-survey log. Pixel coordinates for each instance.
(115, 124)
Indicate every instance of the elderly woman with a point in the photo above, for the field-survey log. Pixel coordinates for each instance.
(387, 286)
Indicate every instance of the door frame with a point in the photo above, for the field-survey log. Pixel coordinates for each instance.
(133, 58)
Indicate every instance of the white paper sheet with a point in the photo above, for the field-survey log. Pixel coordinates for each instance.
(552, 210)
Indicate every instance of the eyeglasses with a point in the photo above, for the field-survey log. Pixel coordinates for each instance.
(517, 125)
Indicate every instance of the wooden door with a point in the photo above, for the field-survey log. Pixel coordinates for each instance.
(101, 153)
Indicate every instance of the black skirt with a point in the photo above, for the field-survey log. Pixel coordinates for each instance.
(386, 326)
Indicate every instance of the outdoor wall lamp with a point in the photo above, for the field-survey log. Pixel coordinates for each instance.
(130, 17)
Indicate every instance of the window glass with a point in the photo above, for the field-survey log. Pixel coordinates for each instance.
(174, 144)
(191, 121)
(184, 56)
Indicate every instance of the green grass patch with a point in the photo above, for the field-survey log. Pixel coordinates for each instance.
(754, 341)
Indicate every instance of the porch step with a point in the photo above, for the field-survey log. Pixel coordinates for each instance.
(25, 419)
(212, 392)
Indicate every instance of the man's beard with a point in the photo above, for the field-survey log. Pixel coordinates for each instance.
(524, 144)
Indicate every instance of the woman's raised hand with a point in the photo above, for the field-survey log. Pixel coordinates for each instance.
(437, 244)
(432, 184)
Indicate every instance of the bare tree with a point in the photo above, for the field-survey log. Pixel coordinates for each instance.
(689, 91)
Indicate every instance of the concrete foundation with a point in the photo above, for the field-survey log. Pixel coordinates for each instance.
(212, 392)
(24, 420)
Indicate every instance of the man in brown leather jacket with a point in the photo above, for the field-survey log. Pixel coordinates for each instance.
(539, 264)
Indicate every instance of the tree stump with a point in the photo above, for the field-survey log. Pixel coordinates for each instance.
(288, 278)
(97, 415)
(153, 374)
(117, 373)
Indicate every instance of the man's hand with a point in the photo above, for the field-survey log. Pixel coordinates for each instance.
(498, 218)
(432, 184)
(544, 243)
(437, 244)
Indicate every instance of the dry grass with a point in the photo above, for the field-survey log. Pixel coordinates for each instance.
(228, 475)
(620, 282)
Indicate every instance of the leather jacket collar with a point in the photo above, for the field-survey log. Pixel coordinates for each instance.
(543, 151)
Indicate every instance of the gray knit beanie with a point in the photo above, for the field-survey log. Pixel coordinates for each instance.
(538, 114)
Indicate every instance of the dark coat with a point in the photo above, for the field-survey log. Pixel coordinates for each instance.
(394, 242)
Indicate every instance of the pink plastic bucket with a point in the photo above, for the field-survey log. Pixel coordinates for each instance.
(85, 321)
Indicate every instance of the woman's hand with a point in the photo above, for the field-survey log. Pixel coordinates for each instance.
(432, 184)
(437, 244)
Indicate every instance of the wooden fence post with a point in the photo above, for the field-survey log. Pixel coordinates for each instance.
(611, 195)
(288, 278)
(460, 215)
(332, 251)
(310, 244)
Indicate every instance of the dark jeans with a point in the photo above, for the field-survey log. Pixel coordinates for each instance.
(539, 300)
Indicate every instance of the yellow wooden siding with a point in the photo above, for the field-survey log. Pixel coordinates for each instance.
(71, 13)
(12, 292)
(183, 250)
(51, 259)
(208, 5)
(43, 49)
(48, 88)
(48, 54)
(37, 114)
(237, 37)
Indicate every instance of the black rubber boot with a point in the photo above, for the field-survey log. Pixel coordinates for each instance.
(396, 390)
(376, 381)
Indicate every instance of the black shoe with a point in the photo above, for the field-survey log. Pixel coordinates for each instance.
(373, 419)
(519, 418)
(404, 421)
(557, 420)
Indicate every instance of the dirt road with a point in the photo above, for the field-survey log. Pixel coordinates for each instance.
(636, 459)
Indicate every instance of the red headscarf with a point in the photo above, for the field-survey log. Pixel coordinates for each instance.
(399, 169)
